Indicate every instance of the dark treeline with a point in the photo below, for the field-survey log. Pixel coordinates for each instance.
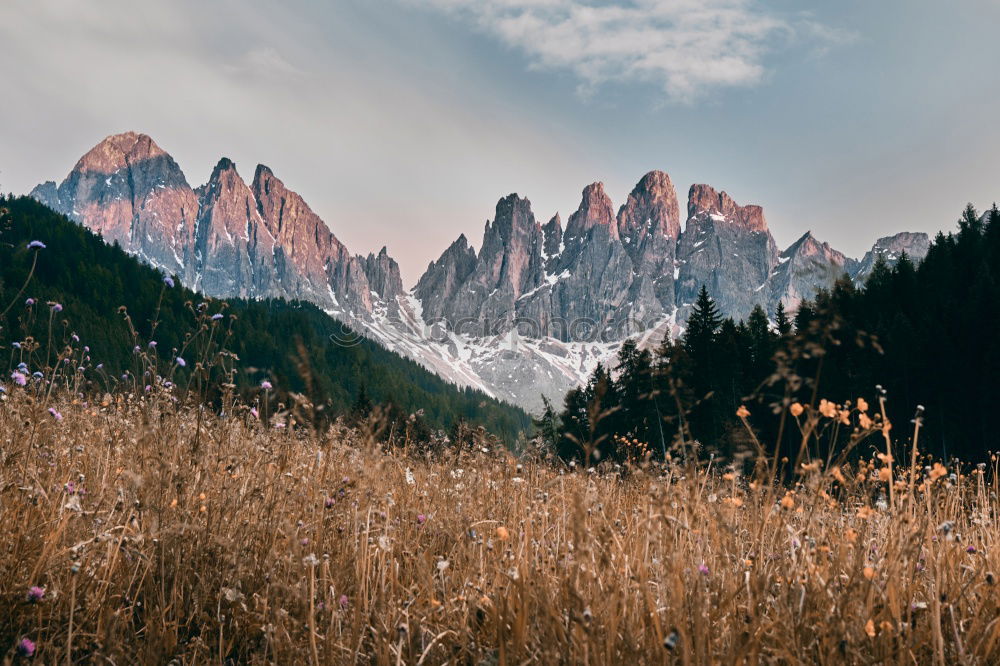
(928, 335)
(288, 343)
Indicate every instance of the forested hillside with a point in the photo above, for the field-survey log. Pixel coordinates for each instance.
(927, 335)
(288, 343)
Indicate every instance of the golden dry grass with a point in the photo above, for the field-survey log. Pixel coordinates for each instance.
(159, 537)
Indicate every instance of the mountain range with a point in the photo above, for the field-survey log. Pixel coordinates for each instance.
(531, 313)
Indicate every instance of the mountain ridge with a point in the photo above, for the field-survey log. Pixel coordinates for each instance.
(531, 312)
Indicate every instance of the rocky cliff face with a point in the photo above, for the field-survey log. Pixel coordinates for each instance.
(128, 190)
(891, 248)
(226, 238)
(806, 266)
(727, 248)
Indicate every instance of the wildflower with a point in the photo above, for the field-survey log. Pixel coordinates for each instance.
(329, 502)
(216, 317)
(169, 281)
(35, 594)
(181, 362)
(30, 302)
(703, 569)
(862, 405)
(796, 409)
(827, 409)
(55, 414)
(15, 345)
(869, 573)
(36, 245)
(743, 412)
(75, 337)
(266, 385)
(25, 648)
(870, 629)
(152, 344)
(56, 307)
(937, 471)
(787, 502)
(421, 519)
(971, 550)
(19, 378)
(865, 422)
(343, 601)
(502, 533)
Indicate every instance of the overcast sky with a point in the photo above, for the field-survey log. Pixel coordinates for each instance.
(402, 122)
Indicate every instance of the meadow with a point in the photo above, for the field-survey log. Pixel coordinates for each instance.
(140, 529)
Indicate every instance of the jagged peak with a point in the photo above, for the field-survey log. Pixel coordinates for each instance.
(652, 203)
(117, 151)
(706, 200)
(595, 210)
(556, 220)
(654, 181)
(225, 164)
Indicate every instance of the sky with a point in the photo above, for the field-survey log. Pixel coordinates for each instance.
(402, 122)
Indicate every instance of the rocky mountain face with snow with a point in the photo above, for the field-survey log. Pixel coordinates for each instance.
(226, 238)
(530, 313)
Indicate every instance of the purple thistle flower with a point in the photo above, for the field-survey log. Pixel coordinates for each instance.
(75, 337)
(30, 302)
(329, 502)
(36, 245)
(26, 647)
(37, 375)
(266, 385)
(254, 413)
(181, 362)
(152, 344)
(216, 317)
(35, 594)
(343, 601)
(703, 569)
(970, 549)
(19, 378)
(55, 414)
(56, 307)
(421, 519)
(16, 345)
(169, 281)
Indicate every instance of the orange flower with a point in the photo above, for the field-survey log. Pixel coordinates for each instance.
(862, 405)
(839, 476)
(796, 409)
(865, 422)
(742, 412)
(827, 409)
(845, 417)
(870, 629)
(502, 533)
(885, 474)
(787, 502)
(869, 573)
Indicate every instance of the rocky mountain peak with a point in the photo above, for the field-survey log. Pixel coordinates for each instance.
(651, 206)
(118, 151)
(595, 210)
(704, 200)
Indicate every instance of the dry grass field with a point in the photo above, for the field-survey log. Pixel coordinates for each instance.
(134, 531)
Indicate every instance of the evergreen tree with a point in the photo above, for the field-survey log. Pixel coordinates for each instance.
(782, 322)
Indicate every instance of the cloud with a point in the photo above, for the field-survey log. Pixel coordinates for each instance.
(686, 48)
